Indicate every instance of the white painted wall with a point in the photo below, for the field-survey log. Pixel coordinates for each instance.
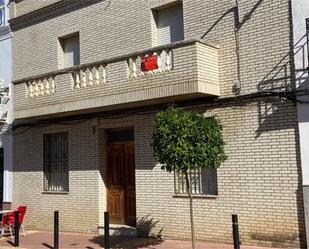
(300, 13)
(6, 136)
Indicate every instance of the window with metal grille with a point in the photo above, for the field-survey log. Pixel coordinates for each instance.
(56, 173)
(202, 181)
(2, 13)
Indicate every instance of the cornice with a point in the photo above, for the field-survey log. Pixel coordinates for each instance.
(47, 12)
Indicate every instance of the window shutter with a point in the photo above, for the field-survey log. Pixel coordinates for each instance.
(170, 25)
(71, 51)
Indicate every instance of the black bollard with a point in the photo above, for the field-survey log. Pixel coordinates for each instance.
(106, 230)
(235, 231)
(16, 229)
(56, 230)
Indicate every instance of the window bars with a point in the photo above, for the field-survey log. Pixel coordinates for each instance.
(55, 162)
(202, 181)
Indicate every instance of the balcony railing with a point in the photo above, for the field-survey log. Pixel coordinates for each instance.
(186, 69)
(95, 74)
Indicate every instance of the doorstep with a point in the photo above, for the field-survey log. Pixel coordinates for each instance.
(119, 230)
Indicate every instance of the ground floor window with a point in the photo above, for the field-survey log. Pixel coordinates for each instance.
(202, 181)
(55, 162)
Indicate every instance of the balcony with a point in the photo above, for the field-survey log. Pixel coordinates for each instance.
(186, 70)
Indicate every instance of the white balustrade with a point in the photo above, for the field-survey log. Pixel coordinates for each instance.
(40, 87)
(83, 77)
(134, 68)
(103, 73)
(168, 61)
(51, 81)
(90, 76)
(95, 75)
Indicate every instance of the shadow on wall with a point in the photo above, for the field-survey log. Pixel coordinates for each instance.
(145, 227)
(238, 23)
(279, 113)
(279, 84)
(280, 79)
(276, 239)
(287, 239)
(146, 237)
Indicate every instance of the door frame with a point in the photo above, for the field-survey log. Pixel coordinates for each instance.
(107, 168)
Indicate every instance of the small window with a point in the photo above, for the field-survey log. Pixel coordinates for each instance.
(169, 24)
(55, 162)
(203, 182)
(2, 13)
(71, 50)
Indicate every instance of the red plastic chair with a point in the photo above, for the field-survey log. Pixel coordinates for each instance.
(8, 220)
(22, 211)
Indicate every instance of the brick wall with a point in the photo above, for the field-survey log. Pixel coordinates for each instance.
(264, 37)
(260, 180)
(78, 205)
(257, 56)
(27, 6)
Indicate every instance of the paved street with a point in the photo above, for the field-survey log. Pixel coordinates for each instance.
(44, 240)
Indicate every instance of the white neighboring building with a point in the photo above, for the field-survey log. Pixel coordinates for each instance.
(6, 117)
(301, 39)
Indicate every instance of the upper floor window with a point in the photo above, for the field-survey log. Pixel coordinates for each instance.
(2, 13)
(70, 50)
(169, 22)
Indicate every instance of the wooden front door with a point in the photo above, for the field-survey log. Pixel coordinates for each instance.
(121, 183)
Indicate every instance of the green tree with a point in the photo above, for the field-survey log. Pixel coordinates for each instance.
(186, 140)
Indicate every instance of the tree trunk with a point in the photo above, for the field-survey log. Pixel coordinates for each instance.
(191, 209)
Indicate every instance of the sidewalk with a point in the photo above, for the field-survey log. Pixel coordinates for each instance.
(44, 240)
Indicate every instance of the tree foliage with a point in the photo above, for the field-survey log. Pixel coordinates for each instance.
(184, 140)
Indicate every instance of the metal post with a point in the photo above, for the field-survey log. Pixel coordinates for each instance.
(106, 230)
(307, 34)
(16, 228)
(235, 231)
(56, 230)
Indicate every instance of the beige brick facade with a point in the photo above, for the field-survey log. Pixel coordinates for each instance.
(261, 180)
(25, 7)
